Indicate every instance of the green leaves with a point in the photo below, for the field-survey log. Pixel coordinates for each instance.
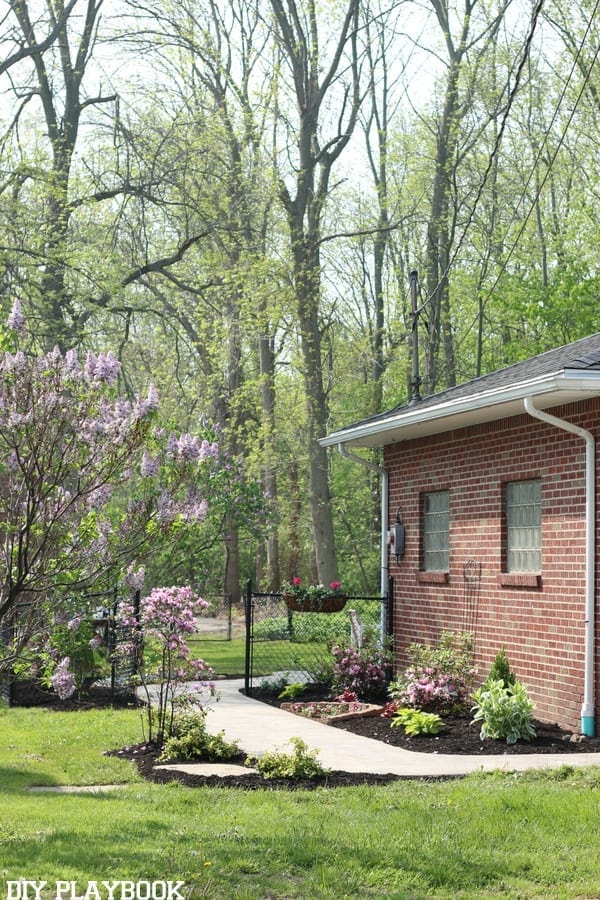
(415, 721)
(505, 711)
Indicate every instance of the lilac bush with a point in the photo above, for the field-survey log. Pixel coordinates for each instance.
(63, 680)
(166, 670)
(90, 482)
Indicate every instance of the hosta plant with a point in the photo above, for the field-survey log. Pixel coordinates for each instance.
(415, 721)
(505, 711)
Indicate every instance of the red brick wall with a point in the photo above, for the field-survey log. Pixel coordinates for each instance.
(542, 628)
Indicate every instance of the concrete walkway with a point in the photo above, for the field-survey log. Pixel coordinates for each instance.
(259, 727)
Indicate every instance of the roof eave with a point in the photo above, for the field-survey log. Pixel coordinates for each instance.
(566, 386)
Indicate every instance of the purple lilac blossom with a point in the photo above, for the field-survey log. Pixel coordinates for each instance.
(63, 681)
(16, 319)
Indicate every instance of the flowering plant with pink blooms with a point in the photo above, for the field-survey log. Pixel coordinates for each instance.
(166, 670)
(363, 671)
(438, 677)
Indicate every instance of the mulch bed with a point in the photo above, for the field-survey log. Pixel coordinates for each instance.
(457, 737)
(99, 696)
(145, 755)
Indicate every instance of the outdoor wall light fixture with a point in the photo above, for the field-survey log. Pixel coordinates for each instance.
(397, 538)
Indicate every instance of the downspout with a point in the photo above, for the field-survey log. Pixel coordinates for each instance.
(384, 512)
(588, 718)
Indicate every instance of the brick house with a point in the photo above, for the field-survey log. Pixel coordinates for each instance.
(494, 481)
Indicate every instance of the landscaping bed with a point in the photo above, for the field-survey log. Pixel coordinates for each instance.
(457, 736)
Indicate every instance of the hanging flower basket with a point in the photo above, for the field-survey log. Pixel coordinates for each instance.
(328, 604)
(314, 598)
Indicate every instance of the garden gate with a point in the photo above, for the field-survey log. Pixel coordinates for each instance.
(296, 645)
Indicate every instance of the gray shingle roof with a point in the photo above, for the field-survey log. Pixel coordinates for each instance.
(581, 355)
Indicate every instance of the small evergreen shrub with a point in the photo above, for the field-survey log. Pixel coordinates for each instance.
(302, 762)
(505, 712)
(501, 670)
(415, 721)
(189, 739)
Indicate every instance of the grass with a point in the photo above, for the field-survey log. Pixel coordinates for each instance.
(227, 657)
(519, 836)
(41, 747)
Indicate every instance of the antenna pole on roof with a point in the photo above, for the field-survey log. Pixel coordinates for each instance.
(415, 383)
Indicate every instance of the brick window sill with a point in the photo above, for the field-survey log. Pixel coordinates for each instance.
(432, 577)
(519, 579)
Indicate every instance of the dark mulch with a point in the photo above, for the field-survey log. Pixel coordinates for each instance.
(98, 696)
(145, 756)
(457, 736)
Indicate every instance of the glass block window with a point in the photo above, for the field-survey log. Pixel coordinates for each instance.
(436, 531)
(524, 526)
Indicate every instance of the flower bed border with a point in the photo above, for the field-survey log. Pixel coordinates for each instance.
(366, 709)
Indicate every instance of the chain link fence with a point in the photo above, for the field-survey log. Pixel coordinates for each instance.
(297, 645)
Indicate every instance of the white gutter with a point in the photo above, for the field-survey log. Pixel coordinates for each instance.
(588, 718)
(571, 380)
(384, 517)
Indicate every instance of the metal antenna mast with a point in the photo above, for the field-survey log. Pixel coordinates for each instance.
(415, 384)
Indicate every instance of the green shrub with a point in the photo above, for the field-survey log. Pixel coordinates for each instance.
(415, 721)
(189, 739)
(437, 677)
(504, 711)
(273, 684)
(301, 763)
(274, 629)
(291, 691)
(501, 670)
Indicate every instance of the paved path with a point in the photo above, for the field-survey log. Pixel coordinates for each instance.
(260, 727)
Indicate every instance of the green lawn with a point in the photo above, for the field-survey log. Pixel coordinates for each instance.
(515, 836)
(227, 657)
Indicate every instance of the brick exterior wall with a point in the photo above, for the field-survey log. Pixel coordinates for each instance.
(541, 625)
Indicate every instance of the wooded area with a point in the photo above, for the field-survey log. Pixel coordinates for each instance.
(231, 194)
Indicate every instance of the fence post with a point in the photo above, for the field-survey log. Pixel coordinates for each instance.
(390, 608)
(112, 644)
(248, 658)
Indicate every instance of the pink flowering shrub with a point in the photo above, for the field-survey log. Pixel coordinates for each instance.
(166, 670)
(438, 677)
(363, 672)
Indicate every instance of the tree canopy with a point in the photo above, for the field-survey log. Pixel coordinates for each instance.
(230, 196)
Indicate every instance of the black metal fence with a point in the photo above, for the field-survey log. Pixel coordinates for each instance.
(119, 647)
(217, 622)
(297, 645)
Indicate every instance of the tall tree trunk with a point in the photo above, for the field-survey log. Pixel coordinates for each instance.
(298, 36)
